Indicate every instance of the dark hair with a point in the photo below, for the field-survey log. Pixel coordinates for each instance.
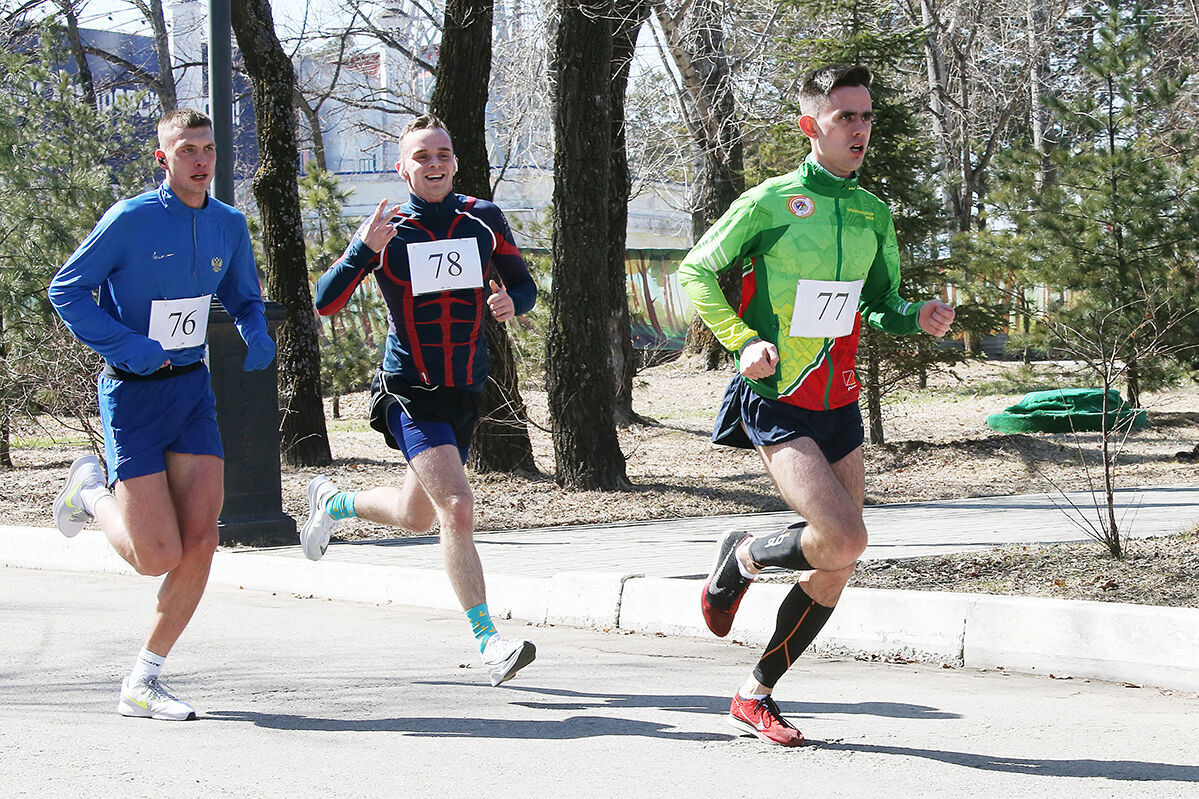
(182, 119)
(425, 122)
(819, 84)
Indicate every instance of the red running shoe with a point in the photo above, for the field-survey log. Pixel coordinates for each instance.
(762, 718)
(726, 585)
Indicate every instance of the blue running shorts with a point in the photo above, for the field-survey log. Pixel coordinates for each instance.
(414, 418)
(748, 420)
(145, 418)
(417, 435)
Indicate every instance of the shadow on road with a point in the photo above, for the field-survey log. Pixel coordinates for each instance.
(1124, 770)
(443, 727)
(690, 703)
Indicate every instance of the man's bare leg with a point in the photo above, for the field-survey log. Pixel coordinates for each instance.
(166, 523)
(197, 492)
(435, 488)
(406, 506)
(443, 478)
(830, 498)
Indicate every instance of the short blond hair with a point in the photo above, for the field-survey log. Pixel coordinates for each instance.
(425, 122)
(180, 119)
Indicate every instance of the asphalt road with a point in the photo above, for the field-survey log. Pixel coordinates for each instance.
(312, 698)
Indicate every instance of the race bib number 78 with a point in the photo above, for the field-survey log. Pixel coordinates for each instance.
(446, 265)
(825, 308)
(179, 324)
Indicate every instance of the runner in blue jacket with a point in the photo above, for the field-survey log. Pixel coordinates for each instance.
(156, 261)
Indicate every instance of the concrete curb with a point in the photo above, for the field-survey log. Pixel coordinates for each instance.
(1138, 644)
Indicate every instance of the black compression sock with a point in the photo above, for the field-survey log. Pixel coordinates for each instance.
(799, 620)
(782, 549)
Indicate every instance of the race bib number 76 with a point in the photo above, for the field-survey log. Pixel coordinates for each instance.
(825, 308)
(178, 324)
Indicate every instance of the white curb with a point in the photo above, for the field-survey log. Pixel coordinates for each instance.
(1139, 644)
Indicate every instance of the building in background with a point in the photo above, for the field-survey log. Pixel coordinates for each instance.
(359, 91)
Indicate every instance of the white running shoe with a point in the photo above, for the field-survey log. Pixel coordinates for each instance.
(503, 658)
(69, 514)
(314, 535)
(150, 699)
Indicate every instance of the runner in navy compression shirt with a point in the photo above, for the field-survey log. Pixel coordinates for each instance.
(156, 260)
(435, 338)
(442, 261)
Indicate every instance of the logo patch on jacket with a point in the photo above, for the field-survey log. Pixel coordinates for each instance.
(216, 264)
(801, 206)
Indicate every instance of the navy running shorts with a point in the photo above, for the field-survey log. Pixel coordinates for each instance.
(414, 436)
(748, 420)
(414, 418)
(145, 418)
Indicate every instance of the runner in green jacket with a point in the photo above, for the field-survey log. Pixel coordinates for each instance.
(812, 226)
(818, 256)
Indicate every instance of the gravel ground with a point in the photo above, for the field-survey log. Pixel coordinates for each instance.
(937, 447)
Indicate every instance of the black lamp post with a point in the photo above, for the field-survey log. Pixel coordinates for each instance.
(247, 402)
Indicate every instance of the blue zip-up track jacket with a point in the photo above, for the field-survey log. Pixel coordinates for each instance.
(435, 339)
(155, 247)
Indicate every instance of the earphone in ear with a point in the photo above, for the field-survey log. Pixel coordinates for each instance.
(162, 160)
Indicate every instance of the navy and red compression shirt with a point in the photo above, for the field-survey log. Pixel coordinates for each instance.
(435, 338)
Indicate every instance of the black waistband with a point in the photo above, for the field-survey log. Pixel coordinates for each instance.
(171, 370)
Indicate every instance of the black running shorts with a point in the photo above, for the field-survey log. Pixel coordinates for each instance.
(748, 420)
(456, 407)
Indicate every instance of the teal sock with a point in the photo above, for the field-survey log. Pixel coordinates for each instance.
(480, 624)
(341, 505)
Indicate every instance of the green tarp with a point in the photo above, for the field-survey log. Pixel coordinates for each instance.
(1065, 410)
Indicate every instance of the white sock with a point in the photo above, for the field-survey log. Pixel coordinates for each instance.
(92, 494)
(147, 666)
(746, 573)
(754, 697)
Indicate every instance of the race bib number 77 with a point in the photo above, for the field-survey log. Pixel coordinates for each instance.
(825, 308)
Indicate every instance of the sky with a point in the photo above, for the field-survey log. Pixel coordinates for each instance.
(120, 15)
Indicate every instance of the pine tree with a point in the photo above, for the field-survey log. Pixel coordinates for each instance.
(1120, 227)
(53, 190)
(351, 342)
(897, 169)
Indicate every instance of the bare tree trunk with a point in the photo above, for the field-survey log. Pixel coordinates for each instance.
(303, 435)
(937, 90)
(1111, 536)
(697, 47)
(460, 94)
(162, 81)
(5, 439)
(1038, 55)
(579, 376)
(165, 86)
(5, 413)
(501, 441)
(313, 118)
(872, 385)
(1132, 377)
(630, 14)
(67, 7)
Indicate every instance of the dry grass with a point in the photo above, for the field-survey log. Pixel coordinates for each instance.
(1154, 571)
(938, 447)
